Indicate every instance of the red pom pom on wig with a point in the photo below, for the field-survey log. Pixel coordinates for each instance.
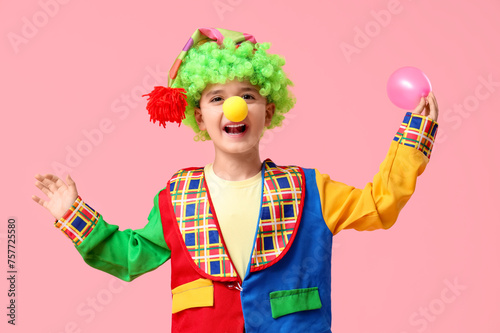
(166, 104)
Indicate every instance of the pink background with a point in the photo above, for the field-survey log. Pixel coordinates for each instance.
(70, 75)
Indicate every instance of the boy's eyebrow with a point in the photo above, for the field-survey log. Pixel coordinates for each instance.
(218, 91)
(214, 92)
(248, 89)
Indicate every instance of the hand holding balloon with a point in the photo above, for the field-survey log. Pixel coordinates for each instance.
(428, 107)
(410, 89)
(406, 86)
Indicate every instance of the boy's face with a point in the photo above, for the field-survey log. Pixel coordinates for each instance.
(240, 139)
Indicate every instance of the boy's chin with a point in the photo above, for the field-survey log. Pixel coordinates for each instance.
(235, 147)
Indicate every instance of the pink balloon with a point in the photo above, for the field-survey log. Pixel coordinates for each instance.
(406, 86)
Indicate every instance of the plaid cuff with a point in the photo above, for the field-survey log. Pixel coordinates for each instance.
(418, 132)
(78, 221)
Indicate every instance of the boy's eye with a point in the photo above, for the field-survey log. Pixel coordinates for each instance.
(216, 99)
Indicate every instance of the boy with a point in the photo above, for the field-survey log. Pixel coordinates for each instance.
(236, 230)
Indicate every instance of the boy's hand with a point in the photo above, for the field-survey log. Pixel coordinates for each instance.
(428, 107)
(61, 196)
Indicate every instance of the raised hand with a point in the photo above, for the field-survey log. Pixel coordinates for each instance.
(60, 195)
(428, 107)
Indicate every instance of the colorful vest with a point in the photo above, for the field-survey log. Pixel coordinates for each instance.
(288, 282)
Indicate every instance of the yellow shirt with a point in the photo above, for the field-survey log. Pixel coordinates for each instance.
(237, 206)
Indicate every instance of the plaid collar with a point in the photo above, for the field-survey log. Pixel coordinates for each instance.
(282, 202)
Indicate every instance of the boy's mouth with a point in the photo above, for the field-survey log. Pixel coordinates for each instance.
(235, 129)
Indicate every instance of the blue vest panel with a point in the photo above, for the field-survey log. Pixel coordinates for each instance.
(303, 274)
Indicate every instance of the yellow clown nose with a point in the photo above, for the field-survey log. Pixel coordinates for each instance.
(235, 108)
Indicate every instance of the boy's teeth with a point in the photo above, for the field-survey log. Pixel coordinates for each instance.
(235, 128)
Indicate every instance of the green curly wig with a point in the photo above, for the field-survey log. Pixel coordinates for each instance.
(209, 63)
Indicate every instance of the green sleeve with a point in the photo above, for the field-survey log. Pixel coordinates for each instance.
(125, 254)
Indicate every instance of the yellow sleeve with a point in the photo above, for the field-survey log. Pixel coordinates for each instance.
(377, 206)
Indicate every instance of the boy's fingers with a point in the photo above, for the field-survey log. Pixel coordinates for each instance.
(433, 96)
(38, 200)
(420, 106)
(427, 109)
(60, 183)
(53, 178)
(434, 99)
(39, 177)
(43, 188)
(49, 184)
(70, 180)
(433, 113)
(57, 181)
